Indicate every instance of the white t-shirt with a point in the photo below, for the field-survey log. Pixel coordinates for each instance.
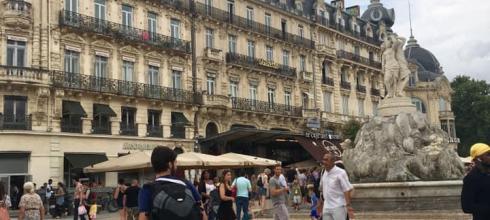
(333, 184)
(209, 188)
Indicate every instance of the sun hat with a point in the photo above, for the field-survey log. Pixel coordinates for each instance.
(478, 150)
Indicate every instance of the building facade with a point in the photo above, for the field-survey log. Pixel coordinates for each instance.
(86, 81)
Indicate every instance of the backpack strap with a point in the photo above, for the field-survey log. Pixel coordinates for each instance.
(163, 179)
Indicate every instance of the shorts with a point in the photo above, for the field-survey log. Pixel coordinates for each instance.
(314, 213)
(296, 199)
(262, 191)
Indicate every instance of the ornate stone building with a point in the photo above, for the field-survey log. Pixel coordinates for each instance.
(86, 81)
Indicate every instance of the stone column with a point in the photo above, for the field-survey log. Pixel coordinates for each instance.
(87, 125)
(115, 125)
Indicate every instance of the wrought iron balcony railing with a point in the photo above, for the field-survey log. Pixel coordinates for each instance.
(104, 128)
(265, 107)
(120, 87)
(128, 129)
(154, 131)
(15, 122)
(358, 59)
(177, 131)
(361, 88)
(224, 16)
(345, 85)
(68, 126)
(375, 92)
(263, 64)
(84, 23)
(327, 81)
(330, 23)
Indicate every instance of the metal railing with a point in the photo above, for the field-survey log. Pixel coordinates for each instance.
(154, 131)
(345, 85)
(265, 107)
(15, 122)
(225, 16)
(84, 23)
(361, 88)
(19, 6)
(121, 87)
(177, 131)
(104, 128)
(128, 129)
(266, 65)
(375, 92)
(357, 58)
(330, 23)
(68, 126)
(327, 81)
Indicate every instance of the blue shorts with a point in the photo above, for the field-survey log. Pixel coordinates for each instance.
(314, 213)
(262, 191)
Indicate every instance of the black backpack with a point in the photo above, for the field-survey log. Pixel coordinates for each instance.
(173, 200)
(259, 182)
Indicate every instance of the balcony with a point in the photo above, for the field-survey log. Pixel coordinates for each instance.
(68, 126)
(128, 129)
(341, 54)
(17, 13)
(87, 24)
(13, 122)
(90, 83)
(328, 81)
(446, 115)
(261, 64)
(103, 128)
(265, 107)
(154, 131)
(361, 88)
(250, 25)
(330, 23)
(375, 92)
(217, 100)
(23, 75)
(213, 54)
(306, 76)
(345, 85)
(177, 131)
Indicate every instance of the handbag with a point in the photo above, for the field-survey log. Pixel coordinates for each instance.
(82, 210)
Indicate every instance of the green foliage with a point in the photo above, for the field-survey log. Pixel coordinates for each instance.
(471, 107)
(350, 129)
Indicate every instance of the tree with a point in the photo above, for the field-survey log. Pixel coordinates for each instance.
(350, 129)
(471, 107)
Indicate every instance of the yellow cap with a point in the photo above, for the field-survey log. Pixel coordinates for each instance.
(478, 150)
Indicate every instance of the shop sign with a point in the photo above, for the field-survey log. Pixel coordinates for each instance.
(313, 123)
(138, 146)
(318, 135)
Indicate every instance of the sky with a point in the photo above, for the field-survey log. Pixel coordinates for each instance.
(457, 32)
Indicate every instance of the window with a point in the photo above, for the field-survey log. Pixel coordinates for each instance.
(412, 81)
(271, 96)
(419, 104)
(128, 126)
(345, 105)
(285, 58)
(357, 51)
(153, 75)
(127, 16)
(287, 99)
(16, 53)
(305, 100)
(268, 22)
(442, 104)
(371, 56)
(128, 69)
(251, 49)
(176, 79)
(325, 72)
(360, 79)
(211, 81)
(71, 5)
(323, 39)
(100, 66)
(99, 9)
(343, 76)
(327, 101)
(71, 120)
(269, 53)
(152, 24)
(231, 43)
(360, 106)
(234, 89)
(301, 31)
(231, 9)
(302, 63)
(209, 38)
(341, 45)
(208, 4)
(154, 127)
(250, 16)
(15, 110)
(375, 108)
(72, 61)
(253, 92)
(175, 28)
(284, 27)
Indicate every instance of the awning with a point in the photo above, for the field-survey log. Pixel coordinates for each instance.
(246, 134)
(178, 118)
(250, 161)
(73, 108)
(317, 147)
(83, 160)
(101, 109)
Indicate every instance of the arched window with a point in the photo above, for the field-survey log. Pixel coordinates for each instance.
(419, 104)
(442, 104)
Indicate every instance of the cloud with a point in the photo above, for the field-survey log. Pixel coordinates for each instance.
(455, 31)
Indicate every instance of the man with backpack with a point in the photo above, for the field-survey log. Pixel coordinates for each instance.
(168, 197)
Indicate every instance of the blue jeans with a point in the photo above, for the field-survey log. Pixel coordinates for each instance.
(241, 204)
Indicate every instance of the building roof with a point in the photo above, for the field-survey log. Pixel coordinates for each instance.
(428, 67)
(377, 13)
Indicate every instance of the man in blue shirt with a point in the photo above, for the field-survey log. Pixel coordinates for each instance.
(163, 161)
(243, 187)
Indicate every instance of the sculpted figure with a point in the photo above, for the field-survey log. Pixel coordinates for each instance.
(404, 73)
(390, 66)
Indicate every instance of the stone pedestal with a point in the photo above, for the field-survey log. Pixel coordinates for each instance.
(395, 106)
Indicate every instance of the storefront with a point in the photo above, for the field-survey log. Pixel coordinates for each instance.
(14, 168)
